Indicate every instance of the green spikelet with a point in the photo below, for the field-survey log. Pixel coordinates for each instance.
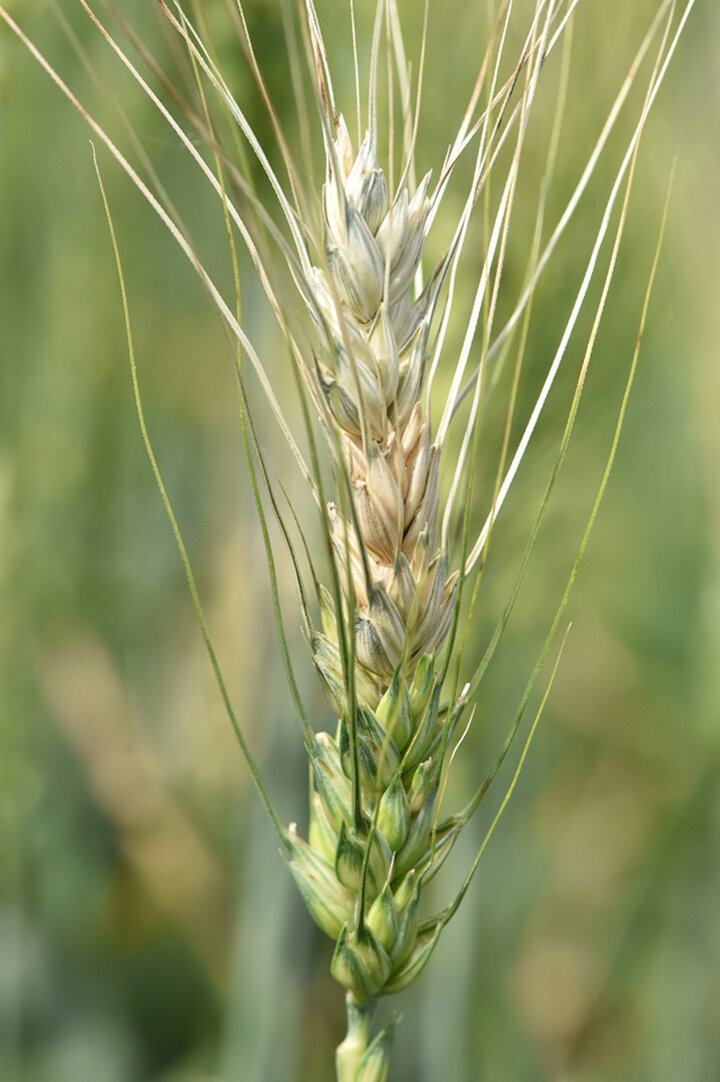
(405, 891)
(360, 963)
(350, 859)
(321, 836)
(407, 924)
(414, 965)
(331, 782)
(424, 735)
(378, 753)
(423, 786)
(395, 712)
(394, 815)
(330, 904)
(383, 919)
(421, 686)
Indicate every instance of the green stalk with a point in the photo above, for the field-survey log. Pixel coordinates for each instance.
(352, 1049)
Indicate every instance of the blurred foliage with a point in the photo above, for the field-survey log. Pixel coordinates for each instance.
(148, 929)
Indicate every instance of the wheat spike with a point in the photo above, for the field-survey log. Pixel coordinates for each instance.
(368, 362)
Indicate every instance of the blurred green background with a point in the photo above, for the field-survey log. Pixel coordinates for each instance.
(148, 929)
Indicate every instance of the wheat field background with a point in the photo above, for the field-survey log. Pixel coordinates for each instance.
(149, 931)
